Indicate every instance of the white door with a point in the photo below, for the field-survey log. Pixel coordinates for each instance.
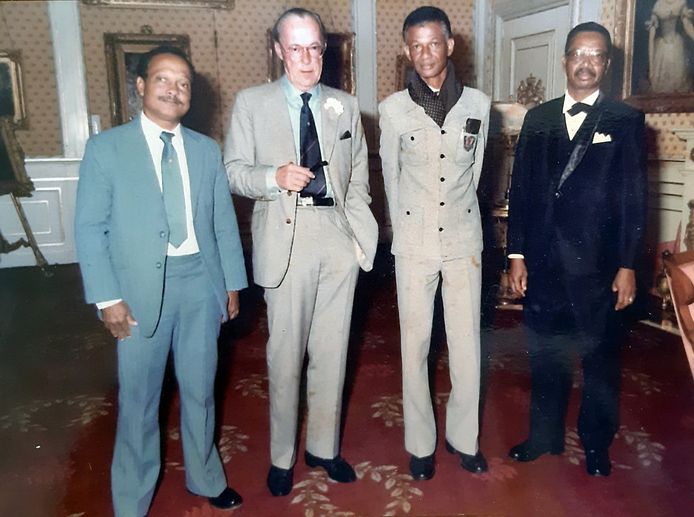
(531, 44)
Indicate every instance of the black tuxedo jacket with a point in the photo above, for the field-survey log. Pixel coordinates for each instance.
(578, 215)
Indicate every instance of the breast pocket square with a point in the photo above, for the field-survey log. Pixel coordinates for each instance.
(601, 138)
(345, 135)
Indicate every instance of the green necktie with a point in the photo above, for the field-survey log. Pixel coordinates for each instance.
(172, 188)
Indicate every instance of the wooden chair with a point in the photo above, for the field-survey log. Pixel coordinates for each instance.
(679, 268)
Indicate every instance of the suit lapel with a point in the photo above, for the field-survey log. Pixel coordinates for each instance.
(582, 141)
(135, 146)
(329, 119)
(195, 172)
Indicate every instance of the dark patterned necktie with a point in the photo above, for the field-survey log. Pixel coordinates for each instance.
(310, 151)
(172, 190)
(578, 107)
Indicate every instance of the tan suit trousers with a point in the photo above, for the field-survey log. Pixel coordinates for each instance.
(417, 281)
(311, 311)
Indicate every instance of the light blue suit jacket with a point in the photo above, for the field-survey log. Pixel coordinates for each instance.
(120, 223)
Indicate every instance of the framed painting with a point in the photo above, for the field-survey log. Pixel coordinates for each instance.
(657, 37)
(13, 174)
(123, 52)
(11, 88)
(338, 61)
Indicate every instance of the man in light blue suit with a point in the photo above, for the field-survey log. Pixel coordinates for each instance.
(160, 255)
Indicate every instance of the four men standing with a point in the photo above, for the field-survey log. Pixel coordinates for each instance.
(160, 252)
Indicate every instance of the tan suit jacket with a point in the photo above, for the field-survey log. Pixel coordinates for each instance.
(260, 138)
(431, 175)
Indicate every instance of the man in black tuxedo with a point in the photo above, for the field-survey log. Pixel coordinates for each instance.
(576, 222)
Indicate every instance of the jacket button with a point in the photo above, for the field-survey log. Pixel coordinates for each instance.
(412, 138)
(407, 212)
(443, 179)
(162, 234)
(469, 210)
(158, 264)
(443, 131)
(442, 203)
(557, 195)
(443, 156)
(288, 221)
(440, 229)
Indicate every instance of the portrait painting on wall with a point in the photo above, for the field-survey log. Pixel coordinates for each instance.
(658, 45)
(123, 52)
(338, 61)
(11, 88)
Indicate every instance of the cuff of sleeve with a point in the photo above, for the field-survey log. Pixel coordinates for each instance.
(516, 256)
(273, 188)
(104, 305)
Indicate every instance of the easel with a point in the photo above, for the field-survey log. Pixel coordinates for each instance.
(15, 182)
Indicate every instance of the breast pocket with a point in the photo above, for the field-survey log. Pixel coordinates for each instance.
(413, 147)
(467, 143)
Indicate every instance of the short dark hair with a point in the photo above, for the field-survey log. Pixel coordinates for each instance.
(589, 27)
(301, 13)
(143, 64)
(426, 14)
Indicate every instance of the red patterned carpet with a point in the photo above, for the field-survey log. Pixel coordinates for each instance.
(57, 414)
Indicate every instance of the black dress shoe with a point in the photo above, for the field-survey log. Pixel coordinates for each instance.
(280, 481)
(474, 463)
(337, 468)
(598, 462)
(525, 451)
(228, 499)
(422, 468)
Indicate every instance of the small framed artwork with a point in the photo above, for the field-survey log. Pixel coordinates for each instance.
(403, 72)
(123, 52)
(338, 61)
(13, 174)
(11, 88)
(657, 37)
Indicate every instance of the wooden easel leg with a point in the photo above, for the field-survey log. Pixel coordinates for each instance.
(40, 259)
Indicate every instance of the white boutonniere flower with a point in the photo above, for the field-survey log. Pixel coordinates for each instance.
(333, 104)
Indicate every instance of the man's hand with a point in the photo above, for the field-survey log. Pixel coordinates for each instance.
(518, 275)
(233, 305)
(624, 284)
(293, 177)
(118, 320)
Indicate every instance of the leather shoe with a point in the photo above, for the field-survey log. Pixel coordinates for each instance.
(422, 468)
(337, 468)
(598, 462)
(525, 451)
(280, 481)
(228, 499)
(475, 463)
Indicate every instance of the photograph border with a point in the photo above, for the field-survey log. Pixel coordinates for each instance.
(214, 4)
(14, 59)
(624, 40)
(116, 46)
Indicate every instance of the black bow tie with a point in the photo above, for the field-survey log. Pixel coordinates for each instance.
(579, 107)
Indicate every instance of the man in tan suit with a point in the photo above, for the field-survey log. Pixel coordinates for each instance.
(433, 136)
(297, 148)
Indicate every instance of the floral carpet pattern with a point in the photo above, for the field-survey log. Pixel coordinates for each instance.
(58, 410)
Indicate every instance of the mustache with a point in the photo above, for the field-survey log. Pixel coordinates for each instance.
(588, 71)
(172, 98)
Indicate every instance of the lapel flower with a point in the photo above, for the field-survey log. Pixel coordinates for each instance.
(333, 104)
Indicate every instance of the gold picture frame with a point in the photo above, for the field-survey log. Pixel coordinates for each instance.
(13, 174)
(12, 89)
(631, 36)
(338, 61)
(215, 4)
(122, 55)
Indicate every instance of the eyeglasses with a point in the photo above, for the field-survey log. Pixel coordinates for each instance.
(296, 52)
(595, 56)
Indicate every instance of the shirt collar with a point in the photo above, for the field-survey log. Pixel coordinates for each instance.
(293, 94)
(153, 130)
(570, 101)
